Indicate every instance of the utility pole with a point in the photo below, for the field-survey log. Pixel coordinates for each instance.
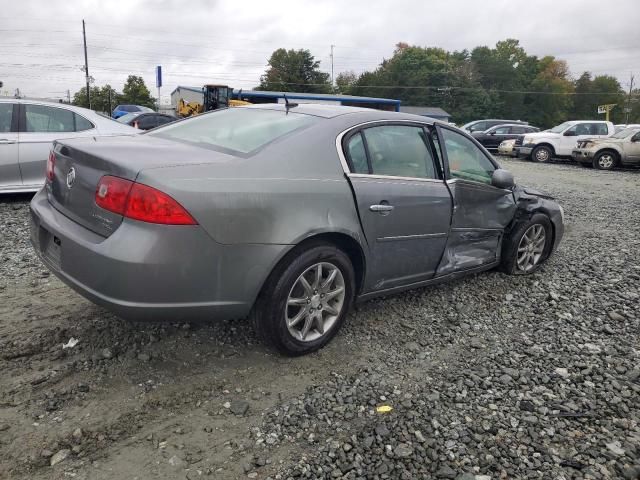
(68, 96)
(628, 109)
(331, 55)
(86, 64)
(109, 101)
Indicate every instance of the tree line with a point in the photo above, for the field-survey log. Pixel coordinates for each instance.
(499, 82)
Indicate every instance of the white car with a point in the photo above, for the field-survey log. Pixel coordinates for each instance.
(560, 141)
(27, 130)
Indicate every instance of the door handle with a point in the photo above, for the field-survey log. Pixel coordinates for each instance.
(382, 209)
(4, 141)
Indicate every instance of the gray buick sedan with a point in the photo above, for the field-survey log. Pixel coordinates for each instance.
(284, 213)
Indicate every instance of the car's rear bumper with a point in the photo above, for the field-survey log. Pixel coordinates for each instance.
(152, 272)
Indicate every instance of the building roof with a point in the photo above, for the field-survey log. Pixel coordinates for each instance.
(300, 96)
(425, 111)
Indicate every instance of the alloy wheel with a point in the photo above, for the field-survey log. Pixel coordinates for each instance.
(531, 248)
(605, 161)
(315, 302)
(542, 155)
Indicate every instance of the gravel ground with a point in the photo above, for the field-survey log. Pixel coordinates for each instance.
(487, 377)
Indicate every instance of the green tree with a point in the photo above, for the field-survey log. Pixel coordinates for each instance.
(550, 102)
(136, 92)
(294, 71)
(345, 81)
(99, 98)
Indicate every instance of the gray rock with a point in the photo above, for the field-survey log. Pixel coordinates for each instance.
(445, 471)
(615, 448)
(61, 456)
(106, 353)
(615, 316)
(382, 430)
(239, 407)
(403, 450)
(419, 436)
(144, 357)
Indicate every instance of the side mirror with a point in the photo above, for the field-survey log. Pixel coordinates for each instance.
(502, 178)
(492, 133)
(570, 133)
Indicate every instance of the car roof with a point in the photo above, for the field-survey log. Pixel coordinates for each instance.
(512, 125)
(332, 111)
(84, 111)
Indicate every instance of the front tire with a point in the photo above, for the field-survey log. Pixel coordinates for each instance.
(527, 246)
(605, 161)
(541, 154)
(305, 300)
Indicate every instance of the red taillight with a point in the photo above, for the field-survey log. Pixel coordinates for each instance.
(140, 202)
(51, 163)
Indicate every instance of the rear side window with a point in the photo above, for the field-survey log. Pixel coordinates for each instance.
(82, 123)
(40, 118)
(598, 129)
(399, 151)
(357, 154)
(238, 130)
(519, 130)
(6, 113)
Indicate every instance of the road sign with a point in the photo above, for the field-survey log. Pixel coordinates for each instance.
(158, 76)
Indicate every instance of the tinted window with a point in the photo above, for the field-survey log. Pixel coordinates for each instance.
(357, 154)
(6, 112)
(465, 159)
(636, 137)
(40, 118)
(479, 127)
(598, 129)
(146, 122)
(162, 119)
(399, 151)
(519, 130)
(82, 123)
(129, 108)
(237, 129)
(502, 130)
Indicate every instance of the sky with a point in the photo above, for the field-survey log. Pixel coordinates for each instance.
(208, 41)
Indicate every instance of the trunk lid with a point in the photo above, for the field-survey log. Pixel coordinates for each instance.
(80, 163)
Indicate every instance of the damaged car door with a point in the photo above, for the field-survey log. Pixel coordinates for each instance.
(481, 211)
(403, 202)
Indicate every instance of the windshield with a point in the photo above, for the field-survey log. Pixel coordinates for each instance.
(627, 132)
(560, 128)
(237, 129)
(128, 117)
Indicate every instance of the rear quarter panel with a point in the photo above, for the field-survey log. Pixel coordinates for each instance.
(289, 191)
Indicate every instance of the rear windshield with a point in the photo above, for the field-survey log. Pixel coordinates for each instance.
(126, 118)
(627, 132)
(238, 130)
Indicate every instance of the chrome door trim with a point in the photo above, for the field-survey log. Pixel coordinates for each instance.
(411, 237)
(341, 135)
(373, 176)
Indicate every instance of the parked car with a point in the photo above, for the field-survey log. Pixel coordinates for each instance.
(27, 131)
(121, 110)
(492, 137)
(284, 213)
(146, 121)
(507, 148)
(482, 125)
(560, 140)
(621, 149)
(621, 126)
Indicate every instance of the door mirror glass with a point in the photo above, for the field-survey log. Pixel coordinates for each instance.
(502, 179)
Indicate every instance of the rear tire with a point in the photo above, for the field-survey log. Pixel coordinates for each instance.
(541, 154)
(299, 311)
(527, 246)
(605, 161)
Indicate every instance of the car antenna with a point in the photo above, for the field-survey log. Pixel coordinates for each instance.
(287, 103)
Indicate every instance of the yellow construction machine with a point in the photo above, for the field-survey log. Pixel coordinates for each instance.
(214, 97)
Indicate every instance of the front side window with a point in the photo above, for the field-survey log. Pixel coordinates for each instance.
(502, 130)
(479, 127)
(6, 113)
(466, 161)
(560, 128)
(521, 130)
(237, 130)
(41, 118)
(399, 151)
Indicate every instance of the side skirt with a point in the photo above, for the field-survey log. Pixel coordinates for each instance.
(425, 283)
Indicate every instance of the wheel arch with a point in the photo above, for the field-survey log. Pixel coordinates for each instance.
(344, 241)
(545, 144)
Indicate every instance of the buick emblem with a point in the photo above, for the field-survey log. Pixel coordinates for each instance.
(71, 177)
